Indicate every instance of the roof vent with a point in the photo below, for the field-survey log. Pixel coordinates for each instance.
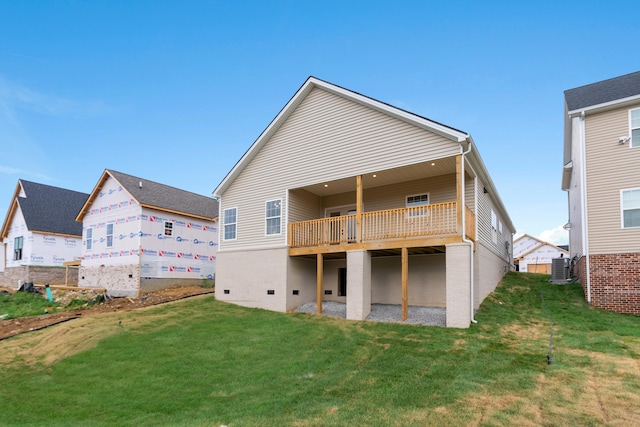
(140, 184)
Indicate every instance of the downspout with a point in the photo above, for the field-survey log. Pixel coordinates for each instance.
(464, 236)
(585, 216)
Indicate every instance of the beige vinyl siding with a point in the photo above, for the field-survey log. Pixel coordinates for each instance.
(441, 189)
(327, 137)
(304, 205)
(611, 167)
(484, 233)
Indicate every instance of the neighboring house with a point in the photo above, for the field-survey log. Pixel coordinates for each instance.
(534, 255)
(140, 236)
(39, 235)
(349, 199)
(602, 177)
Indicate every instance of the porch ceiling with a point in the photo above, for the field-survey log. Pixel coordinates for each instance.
(386, 177)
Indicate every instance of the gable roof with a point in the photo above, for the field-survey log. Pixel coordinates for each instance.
(539, 245)
(46, 209)
(603, 93)
(153, 195)
(311, 83)
(525, 235)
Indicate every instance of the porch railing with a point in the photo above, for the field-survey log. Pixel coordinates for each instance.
(416, 221)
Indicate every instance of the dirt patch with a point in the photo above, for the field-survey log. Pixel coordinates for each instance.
(12, 327)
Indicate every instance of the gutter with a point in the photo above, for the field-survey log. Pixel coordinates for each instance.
(464, 237)
(585, 215)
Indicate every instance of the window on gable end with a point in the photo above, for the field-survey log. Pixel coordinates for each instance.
(273, 215)
(230, 223)
(109, 235)
(89, 241)
(168, 228)
(17, 248)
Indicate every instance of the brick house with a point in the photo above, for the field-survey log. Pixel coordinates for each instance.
(601, 175)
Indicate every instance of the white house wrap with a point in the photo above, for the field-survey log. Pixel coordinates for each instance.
(39, 235)
(140, 236)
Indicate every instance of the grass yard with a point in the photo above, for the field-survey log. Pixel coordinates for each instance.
(201, 362)
(21, 304)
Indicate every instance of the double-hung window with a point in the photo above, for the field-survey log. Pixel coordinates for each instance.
(17, 248)
(417, 200)
(494, 227)
(230, 222)
(634, 121)
(109, 235)
(630, 201)
(168, 228)
(89, 243)
(273, 214)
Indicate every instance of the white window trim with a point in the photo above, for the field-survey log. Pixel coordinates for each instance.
(170, 227)
(112, 233)
(622, 209)
(267, 218)
(494, 226)
(21, 248)
(416, 214)
(631, 128)
(224, 224)
(89, 239)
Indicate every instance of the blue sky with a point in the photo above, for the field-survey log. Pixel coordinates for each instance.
(177, 91)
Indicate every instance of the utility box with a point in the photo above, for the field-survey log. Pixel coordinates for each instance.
(560, 268)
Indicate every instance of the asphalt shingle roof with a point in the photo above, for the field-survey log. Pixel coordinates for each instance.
(603, 92)
(165, 197)
(51, 209)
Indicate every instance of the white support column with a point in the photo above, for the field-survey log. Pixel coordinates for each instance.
(458, 282)
(358, 284)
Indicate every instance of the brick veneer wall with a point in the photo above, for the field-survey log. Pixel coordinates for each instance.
(615, 282)
(580, 271)
(37, 275)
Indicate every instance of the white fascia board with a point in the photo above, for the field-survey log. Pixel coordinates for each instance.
(604, 105)
(264, 136)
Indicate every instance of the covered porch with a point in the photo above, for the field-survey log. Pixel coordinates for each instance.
(358, 234)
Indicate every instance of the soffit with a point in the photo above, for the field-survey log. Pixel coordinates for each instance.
(385, 177)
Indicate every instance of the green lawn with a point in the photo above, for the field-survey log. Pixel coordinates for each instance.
(205, 363)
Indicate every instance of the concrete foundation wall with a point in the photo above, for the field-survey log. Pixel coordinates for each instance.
(12, 277)
(246, 278)
(426, 285)
(458, 262)
(301, 277)
(427, 281)
(358, 285)
(119, 280)
(490, 269)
